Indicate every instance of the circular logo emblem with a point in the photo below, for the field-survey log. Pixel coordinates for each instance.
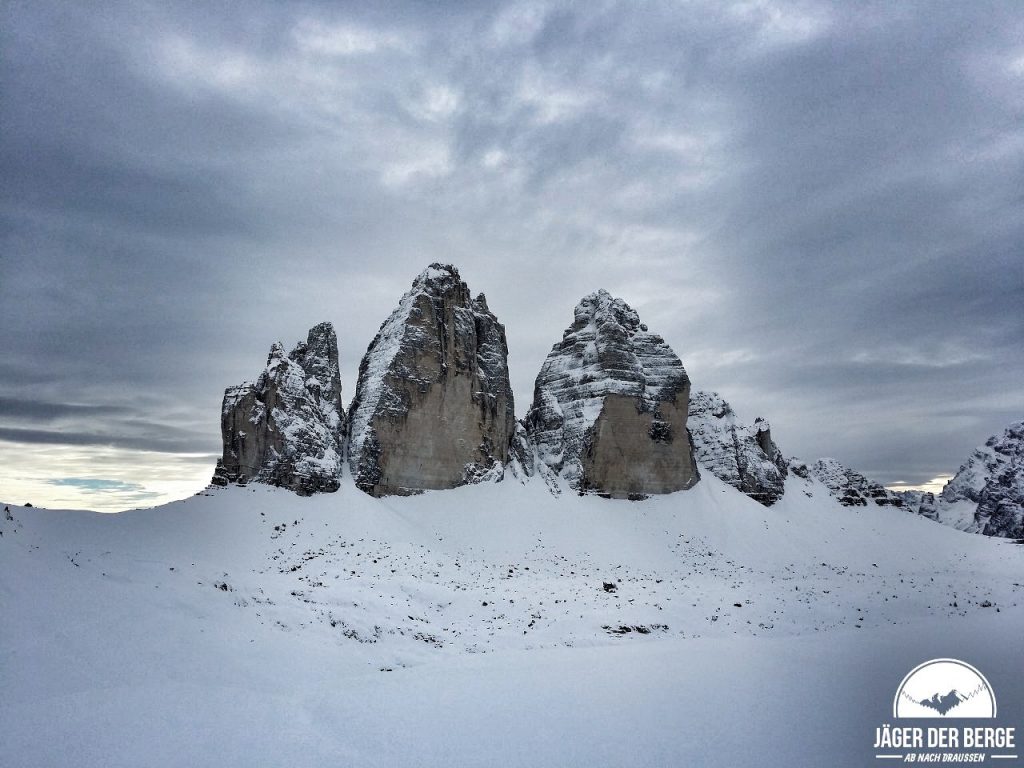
(944, 688)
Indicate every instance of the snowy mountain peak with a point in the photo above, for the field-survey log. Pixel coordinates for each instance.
(985, 461)
(600, 306)
(611, 389)
(286, 429)
(276, 354)
(438, 278)
(992, 480)
(744, 456)
(433, 406)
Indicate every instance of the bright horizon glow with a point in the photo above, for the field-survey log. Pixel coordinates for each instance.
(935, 485)
(99, 479)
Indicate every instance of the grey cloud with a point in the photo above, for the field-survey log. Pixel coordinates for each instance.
(187, 444)
(834, 190)
(35, 410)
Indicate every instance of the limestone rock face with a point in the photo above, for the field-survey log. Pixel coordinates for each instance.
(433, 407)
(744, 456)
(1001, 509)
(610, 406)
(287, 428)
(993, 478)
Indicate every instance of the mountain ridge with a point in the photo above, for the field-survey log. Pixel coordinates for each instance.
(612, 414)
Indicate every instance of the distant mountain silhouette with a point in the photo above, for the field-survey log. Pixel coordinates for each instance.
(942, 704)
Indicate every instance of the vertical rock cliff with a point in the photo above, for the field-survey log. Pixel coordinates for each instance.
(286, 429)
(993, 479)
(433, 407)
(741, 455)
(610, 406)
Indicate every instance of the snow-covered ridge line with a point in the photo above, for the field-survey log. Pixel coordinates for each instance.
(612, 414)
(385, 346)
(992, 481)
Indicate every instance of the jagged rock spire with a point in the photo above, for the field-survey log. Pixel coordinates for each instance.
(287, 428)
(433, 406)
(744, 456)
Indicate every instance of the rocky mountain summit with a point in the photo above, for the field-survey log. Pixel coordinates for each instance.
(992, 478)
(610, 406)
(744, 456)
(433, 406)
(287, 428)
(611, 414)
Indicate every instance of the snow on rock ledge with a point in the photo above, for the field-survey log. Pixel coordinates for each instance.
(610, 406)
(287, 428)
(850, 487)
(743, 456)
(993, 479)
(433, 407)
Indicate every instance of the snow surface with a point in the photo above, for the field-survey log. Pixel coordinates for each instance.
(486, 626)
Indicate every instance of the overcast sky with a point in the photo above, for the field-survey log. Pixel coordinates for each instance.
(819, 206)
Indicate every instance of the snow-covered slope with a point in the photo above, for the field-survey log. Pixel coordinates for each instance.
(277, 629)
(849, 487)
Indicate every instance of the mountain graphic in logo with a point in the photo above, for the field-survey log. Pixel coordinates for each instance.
(920, 693)
(942, 704)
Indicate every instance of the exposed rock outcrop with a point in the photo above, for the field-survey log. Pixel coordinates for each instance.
(987, 493)
(610, 406)
(993, 479)
(923, 502)
(744, 456)
(286, 429)
(850, 487)
(433, 407)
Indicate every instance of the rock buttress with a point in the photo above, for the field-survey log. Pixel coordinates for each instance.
(433, 406)
(610, 406)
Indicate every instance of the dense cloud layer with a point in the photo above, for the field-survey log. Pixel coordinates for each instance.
(819, 206)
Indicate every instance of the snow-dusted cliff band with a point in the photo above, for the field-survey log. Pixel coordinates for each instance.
(989, 487)
(743, 456)
(610, 406)
(286, 429)
(433, 407)
(612, 414)
(849, 486)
